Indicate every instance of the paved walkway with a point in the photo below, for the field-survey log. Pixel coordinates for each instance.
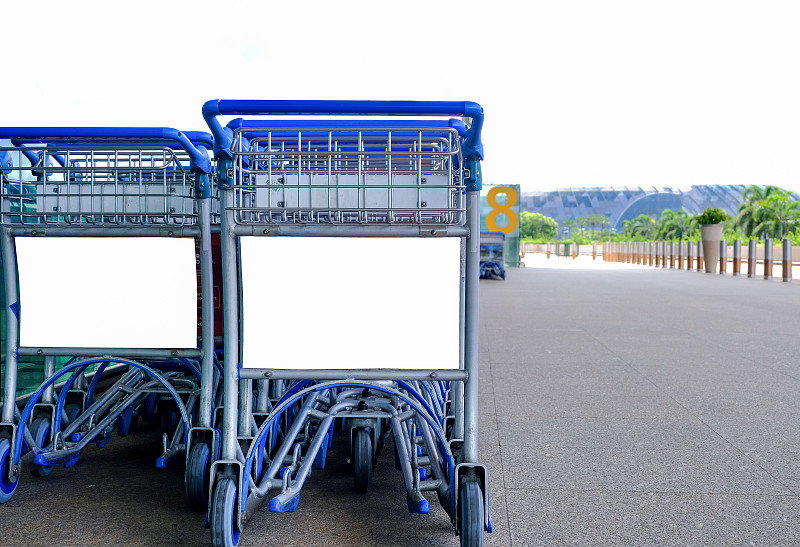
(619, 406)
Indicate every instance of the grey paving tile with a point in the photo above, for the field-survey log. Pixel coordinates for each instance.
(758, 431)
(613, 381)
(598, 406)
(672, 470)
(677, 431)
(555, 518)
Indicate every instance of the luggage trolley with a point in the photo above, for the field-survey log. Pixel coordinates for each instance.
(396, 205)
(101, 224)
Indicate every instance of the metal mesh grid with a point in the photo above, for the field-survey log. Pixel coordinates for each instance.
(98, 186)
(353, 176)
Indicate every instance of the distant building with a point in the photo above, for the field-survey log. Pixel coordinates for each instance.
(626, 203)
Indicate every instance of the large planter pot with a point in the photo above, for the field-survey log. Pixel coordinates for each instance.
(711, 234)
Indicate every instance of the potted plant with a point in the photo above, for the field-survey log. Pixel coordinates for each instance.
(710, 222)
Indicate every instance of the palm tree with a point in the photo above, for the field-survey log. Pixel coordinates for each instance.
(777, 216)
(754, 199)
(641, 226)
(675, 225)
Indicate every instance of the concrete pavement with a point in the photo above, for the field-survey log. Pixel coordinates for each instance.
(619, 406)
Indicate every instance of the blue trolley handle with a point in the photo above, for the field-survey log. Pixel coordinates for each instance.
(199, 160)
(472, 147)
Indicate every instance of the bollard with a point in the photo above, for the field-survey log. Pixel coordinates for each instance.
(650, 257)
(680, 254)
(737, 258)
(689, 255)
(548, 250)
(594, 251)
(751, 258)
(671, 255)
(787, 260)
(699, 256)
(768, 258)
(657, 257)
(575, 249)
(723, 257)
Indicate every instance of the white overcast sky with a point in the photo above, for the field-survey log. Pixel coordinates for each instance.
(576, 92)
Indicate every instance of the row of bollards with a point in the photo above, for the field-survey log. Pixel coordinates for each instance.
(673, 255)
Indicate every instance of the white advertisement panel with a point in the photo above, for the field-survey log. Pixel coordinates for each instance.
(350, 303)
(132, 292)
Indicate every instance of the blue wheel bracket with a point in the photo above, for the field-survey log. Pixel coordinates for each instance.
(7, 488)
(78, 367)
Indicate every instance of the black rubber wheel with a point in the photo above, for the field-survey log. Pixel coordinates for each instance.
(362, 459)
(40, 429)
(472, 516)
(169, 422)
(72, 410)
(124, 422)
(148, 407)
(197, 476)
(223, 511)
(7, 488)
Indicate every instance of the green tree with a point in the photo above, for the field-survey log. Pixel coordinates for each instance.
(754, 199)
(675, 225)
(777, 216)
(593, 220)
(641, 227)
(537, 226)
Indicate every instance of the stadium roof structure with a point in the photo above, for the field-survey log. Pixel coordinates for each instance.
(625, 203)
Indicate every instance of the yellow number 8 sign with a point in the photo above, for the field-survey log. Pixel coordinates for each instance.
(504, 209)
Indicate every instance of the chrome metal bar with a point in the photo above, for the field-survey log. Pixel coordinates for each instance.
(472, 326)
(300, 230)
(133, 353)
(9, 260)
(353, 374)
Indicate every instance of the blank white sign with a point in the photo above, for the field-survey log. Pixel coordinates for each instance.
(350, 303)
(107, 292)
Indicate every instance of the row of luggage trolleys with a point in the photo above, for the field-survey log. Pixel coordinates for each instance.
(254, 288)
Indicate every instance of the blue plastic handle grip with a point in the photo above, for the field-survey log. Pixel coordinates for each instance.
(471, 147)
(345, 108)
(91, 135)
(456, 124)
(342, 128)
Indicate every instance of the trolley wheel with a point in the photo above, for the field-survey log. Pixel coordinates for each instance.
(472, 516)
(362, 459)
(72, 410)
(197, 476)
(124, 422)
(40, 429)
(169, 422)
(148, 408)
(223, 515)
(7, 488)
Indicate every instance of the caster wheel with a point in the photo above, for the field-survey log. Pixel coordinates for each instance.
(362, 459)
(125, 422)
(197, 476)
(40, 429)
(7, 488)
(148, 408)
(472, 517)
(223, 512)
(169, 422)
(72, 410)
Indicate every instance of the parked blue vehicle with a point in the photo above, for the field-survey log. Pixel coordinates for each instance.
(492, 257)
